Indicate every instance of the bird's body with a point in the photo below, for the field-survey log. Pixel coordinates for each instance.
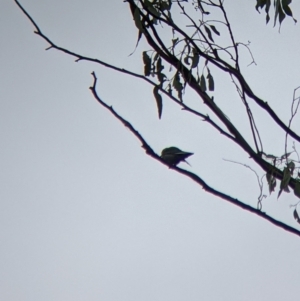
(173, 155)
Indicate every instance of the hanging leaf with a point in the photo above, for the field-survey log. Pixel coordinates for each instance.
(178, 85)
(297, 189)
(154, 60)
(186, 60)
(296, 216)
(286, 8)
(159, 66)
(211, 84)
(271, 182)
(291, 167)
(202, 83)
(137, 42)
(158, 99)
(156, 57)
(214, 29)
(147, 63)
(260, 4)
(285, 180)
(208, 33)
(195, 58)
(281, 14)
(137, 20)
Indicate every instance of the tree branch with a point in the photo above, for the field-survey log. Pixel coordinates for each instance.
(125, 71)
(192, 176)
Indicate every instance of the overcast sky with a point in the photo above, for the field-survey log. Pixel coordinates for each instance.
(85, 214)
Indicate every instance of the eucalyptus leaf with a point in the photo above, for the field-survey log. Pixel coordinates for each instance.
(158, 99)
(147, 63)
(203, 83)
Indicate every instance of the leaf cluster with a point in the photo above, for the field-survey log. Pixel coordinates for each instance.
(281, 7)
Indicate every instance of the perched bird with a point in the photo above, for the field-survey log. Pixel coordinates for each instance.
(173, 155)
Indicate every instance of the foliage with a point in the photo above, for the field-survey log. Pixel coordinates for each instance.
(185, 55)
(281, 7)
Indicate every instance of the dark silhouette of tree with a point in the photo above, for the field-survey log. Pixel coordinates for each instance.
(186, 59)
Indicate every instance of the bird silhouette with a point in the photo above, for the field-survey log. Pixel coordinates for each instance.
(173, 155)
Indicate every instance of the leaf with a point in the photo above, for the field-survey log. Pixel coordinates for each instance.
(195, 58)
(178, 85)
(159, 66)
(214, 29)
(260, 4)
(296, 216)
(156, 57)
(165, 5)
(158, 99)
(285, 180)
(281, 14)
(208, 33)
(147, 63)
(161, 77)
(137, 43)
(277, 5)
(202, 83)
(137, 20)
(291, 167)
(286, 8)
(186, 60)
(268, 4)
(297, 189)
(211, 84)
(271, 182)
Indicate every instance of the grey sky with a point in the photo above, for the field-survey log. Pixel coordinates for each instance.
(86, 215)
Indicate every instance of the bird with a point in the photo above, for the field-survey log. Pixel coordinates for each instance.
(173, 155)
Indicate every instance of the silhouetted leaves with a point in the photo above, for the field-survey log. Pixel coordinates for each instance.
(211, 84)
(178, 85)
(297, 189)
(214, 29)
(208, 33)
(158, 99)
(281, 9)
(271, 182)
(195, 58)
(285, 180)
(202, 83)
(296, 216)
(147, 63)
(165, 5)
(137, 20)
